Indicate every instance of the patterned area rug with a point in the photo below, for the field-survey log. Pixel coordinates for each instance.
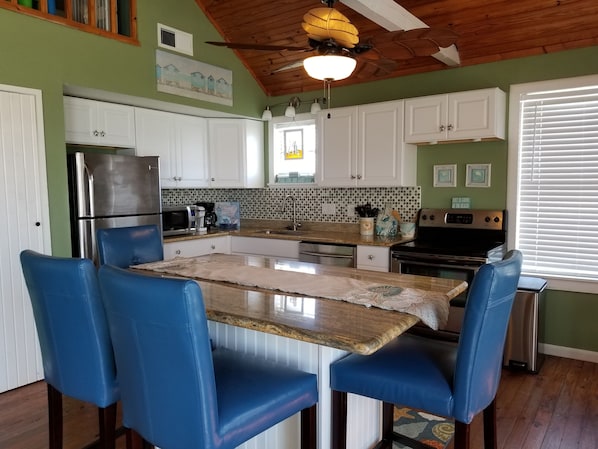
(432, 430)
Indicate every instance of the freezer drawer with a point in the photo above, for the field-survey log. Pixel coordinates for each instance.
(521, 345)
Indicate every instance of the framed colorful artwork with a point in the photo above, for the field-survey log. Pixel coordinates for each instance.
(293, 144)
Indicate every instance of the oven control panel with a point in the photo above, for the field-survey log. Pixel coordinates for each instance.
(462, 218)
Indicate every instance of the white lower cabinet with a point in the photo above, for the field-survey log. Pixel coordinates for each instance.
(289, 249)
(375, 258)
(197, 247)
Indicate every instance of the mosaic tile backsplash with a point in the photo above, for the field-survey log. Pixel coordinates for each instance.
(333, 205)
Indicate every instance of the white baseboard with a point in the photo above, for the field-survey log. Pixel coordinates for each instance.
(569, 353)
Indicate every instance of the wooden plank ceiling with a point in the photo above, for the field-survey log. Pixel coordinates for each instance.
(489, 30)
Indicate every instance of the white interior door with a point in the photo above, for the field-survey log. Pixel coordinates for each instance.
(24, 224)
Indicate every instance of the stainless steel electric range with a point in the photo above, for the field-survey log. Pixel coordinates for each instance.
(452, 243)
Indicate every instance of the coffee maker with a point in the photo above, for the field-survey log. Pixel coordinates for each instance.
(210, 216)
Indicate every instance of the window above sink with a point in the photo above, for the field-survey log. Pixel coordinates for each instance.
(292, 150)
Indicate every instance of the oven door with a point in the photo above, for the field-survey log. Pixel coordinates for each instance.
(463, 269)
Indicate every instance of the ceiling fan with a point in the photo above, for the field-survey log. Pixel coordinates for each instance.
(330, 33)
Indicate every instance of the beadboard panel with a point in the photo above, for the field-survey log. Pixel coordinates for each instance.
(364, 414)
(24, 219)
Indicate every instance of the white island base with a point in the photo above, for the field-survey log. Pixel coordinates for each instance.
(364, 414)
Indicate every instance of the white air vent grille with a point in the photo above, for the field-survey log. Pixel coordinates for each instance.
(174, 39)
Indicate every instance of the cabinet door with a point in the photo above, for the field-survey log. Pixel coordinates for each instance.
(289, 249)
(426, 119)
(474, 115)
(376, 258)
(90, 122)
(156, 137)
(116, 125)
(179, 140)
(80, 118)
(337, 159)
(380, 144)
(197, 247)
(192, 151)
(227, 161)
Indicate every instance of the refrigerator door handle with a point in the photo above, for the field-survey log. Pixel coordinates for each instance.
(90, 191)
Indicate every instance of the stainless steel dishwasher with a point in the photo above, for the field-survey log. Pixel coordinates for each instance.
(328, 254)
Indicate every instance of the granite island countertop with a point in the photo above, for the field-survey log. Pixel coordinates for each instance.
(336, 324)
(341, 233)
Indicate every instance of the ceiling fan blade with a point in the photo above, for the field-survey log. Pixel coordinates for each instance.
(264, 47)
(395, 51)
(439, 37)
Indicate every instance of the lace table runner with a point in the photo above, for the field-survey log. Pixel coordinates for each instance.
(431, 307)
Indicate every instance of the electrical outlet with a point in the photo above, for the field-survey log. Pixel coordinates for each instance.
(351, 210)
(328, 209)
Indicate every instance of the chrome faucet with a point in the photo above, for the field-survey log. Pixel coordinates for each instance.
(295, 225)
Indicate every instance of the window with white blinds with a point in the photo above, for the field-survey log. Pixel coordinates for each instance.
(557, 212)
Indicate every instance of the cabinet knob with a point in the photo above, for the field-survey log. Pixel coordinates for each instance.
(96, 133)
(371, 257)
(213, 179)
(37, 223)
(450, 127)
(358, 176)
(442, 127)
(352, 176)
(213, 247)
(102, 134)
(178, 252)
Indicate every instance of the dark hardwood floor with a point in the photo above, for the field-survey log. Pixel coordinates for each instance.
(556, 409)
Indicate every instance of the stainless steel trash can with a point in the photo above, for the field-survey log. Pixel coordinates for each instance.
(521, 345)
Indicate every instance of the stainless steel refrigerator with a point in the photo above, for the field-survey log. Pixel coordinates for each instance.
(109, 191)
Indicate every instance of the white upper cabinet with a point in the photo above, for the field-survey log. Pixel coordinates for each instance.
(337, 129)
(471, 115)
(363, 146)
(180, 141)
(236, 152)
(90, 122)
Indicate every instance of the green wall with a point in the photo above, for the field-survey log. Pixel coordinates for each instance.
(47, 56)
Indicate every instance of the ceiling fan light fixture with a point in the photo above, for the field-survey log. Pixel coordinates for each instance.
(267, 114)
(329, 67)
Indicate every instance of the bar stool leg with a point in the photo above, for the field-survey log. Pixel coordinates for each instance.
(339, 420)
(107, 426)
(55, 417)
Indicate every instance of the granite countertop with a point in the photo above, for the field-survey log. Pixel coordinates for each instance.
(342, 233)
(327, 322)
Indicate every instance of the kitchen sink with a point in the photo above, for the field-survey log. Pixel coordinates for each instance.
(279, 232)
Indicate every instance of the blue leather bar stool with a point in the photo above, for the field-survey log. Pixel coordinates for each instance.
(453, 380)
(74, 339)
(176, 392)
(133, 245)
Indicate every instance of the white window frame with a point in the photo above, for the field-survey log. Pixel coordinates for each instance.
(516, 93)
(282, 119)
